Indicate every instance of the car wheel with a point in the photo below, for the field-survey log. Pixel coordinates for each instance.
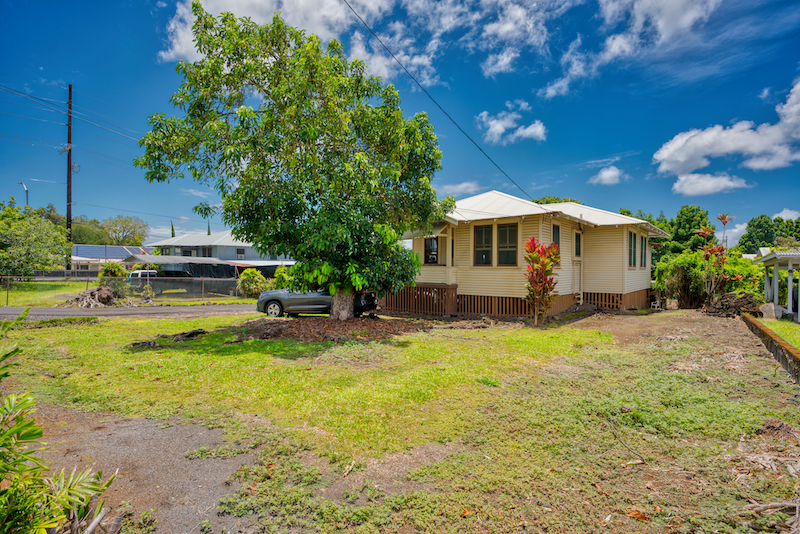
(273, 308)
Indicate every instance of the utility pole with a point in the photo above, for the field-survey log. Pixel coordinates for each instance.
(69, 174)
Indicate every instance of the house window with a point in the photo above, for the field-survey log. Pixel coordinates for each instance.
(239, 251)
(643, 258)
(578, 237)
(557, 241)
(631, 249)
(187, 252)
(506, 244)
(483, 245)
(431, 250)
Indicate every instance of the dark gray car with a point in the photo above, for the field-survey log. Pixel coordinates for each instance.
(279, 301)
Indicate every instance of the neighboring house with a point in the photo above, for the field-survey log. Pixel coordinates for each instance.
(223, 246)
(93, 257)
(474, 260)
(781, 260)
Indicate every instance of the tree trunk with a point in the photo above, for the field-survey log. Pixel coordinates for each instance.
(342, 306)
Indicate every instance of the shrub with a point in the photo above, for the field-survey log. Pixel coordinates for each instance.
(282, 277)
(251, 283)
(683, 277)
(541, 260)
(114, 276)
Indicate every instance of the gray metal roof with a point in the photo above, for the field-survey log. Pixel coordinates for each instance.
(219, 239)
(169, 260)
(780, 256)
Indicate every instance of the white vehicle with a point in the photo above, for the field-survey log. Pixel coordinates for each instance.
(142, 274)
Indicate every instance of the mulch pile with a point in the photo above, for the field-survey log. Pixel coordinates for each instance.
(98, 297)
(323, 329)
(731, 305)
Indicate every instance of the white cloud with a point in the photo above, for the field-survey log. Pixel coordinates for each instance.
(184, 218)
(499, 63)
(497, 126)
(519, 104)
(786, 213)
(693, 185)
(732, 234)
(464, 188)
(764, 93)
(764, 147)
(195, 193)
(608, 176)
(326, 18)
(604, 162)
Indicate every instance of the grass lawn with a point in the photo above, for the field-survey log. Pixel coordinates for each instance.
(786, 328)
(557, 430)
(41, 294)
(45, 294)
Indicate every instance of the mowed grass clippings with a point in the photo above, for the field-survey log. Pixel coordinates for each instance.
(557, 430)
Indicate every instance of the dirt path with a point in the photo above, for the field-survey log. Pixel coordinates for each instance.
(153, 470)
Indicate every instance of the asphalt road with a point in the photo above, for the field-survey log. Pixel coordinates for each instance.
(208, 309)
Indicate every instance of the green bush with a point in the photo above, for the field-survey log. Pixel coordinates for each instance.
(681, 277)
(30, 501)
(115, 277)
(251, 283)
(282, 277)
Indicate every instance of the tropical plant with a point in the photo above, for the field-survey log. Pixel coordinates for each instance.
(541, 260)
(251, 283)
(312, 157)
(725, 218)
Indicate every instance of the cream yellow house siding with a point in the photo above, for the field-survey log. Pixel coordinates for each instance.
(565, 271)
(636, 278)
(605, 258)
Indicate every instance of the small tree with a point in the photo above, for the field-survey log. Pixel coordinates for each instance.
(541, 260)
(28, 241)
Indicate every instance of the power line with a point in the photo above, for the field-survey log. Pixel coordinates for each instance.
(145, 213)
(433, 100)
(32, 118)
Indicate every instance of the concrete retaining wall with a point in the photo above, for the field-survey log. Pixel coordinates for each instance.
(782, 351)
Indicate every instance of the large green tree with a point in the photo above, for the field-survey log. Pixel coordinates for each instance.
(126, 230)
(312, 157)
(760, 233)
(28, 241)
(85, 231)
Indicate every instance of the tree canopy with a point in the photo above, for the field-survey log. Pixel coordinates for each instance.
(85, 231)
(760, 233)
(312, 157)
(28, 241)
(126, 230)
(554, 200)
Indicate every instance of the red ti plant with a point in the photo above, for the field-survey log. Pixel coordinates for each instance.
(541, 260)
(724, 218)
(714, 258)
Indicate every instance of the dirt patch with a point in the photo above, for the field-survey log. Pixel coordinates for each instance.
(384, 476)
(778, 429)
(323, 329)
(150, 456)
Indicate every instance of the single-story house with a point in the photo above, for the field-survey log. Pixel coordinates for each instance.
(93, 257)
(222, 246)
(473, 261)
(780, 260)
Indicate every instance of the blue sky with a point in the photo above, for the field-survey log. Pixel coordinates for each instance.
(619, 103)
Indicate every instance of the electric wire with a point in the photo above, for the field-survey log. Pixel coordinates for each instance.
(434, 100)
(182, 218)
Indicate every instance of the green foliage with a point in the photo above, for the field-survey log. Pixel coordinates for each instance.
(760, 233)
(115, 277)
(683, 277)
(145, 267)
(554, 200)
(282, 277)
(84, 230)
(327, 169)
(251, 283)
(29, 242)
(31, 502)
(126, 230)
